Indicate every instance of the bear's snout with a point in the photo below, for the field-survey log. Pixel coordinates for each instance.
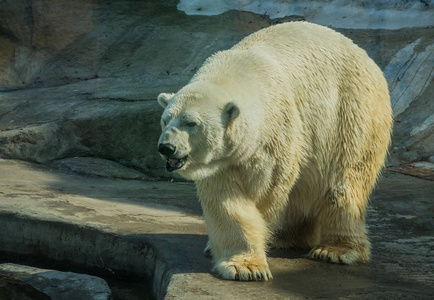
(166, 149)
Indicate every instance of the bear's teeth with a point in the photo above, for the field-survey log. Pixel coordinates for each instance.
(172, 162)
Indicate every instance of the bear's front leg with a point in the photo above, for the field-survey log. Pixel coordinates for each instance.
(237, 239)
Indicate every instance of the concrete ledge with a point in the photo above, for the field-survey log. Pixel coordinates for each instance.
(153, 231)
(122, 255)
(98, 223)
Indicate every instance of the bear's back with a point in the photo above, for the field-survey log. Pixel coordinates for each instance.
(340, 93)
(296, 35)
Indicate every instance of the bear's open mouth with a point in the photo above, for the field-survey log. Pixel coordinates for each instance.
(173, 164)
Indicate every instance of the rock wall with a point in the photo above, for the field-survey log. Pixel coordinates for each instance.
(80, 78)
(356, 14)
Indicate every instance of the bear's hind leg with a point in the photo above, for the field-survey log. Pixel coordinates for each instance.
(343, 231)
(207, 252)
(297, 234)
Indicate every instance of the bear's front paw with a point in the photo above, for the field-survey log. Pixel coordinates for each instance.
(243, 269)
(344, 253)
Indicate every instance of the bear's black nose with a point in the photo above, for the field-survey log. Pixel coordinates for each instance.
(166, 149)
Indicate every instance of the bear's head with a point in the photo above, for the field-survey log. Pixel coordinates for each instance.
(195, 126)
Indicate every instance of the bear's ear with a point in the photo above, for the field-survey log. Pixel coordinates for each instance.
(164, 98)
(231, 111)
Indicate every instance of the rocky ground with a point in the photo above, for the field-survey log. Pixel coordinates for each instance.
(153, 233)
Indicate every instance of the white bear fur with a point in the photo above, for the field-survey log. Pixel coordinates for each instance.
(295, 159)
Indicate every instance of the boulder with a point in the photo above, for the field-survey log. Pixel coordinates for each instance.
(12, 288)
(56, 284)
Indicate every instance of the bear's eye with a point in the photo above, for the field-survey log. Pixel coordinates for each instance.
(191, 124)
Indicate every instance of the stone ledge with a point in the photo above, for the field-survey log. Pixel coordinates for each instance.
(153, 231)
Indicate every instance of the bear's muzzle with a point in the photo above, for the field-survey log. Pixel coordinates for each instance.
(166, 149)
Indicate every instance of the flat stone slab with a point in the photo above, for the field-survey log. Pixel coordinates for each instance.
(153, 231)
(12, 288)
(93, 166)
(60, 285)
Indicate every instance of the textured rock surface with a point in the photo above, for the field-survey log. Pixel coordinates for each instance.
(93, 166)
(362, 14)
(80, 78)
(59, 285)
(153, 231)
(12, 288)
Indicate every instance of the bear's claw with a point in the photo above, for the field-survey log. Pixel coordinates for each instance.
(243, 271)
(341, 254)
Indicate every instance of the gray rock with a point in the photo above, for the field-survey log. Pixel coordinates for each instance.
(70, 286)
(80, 79)
(384, 14)
(60, 285)
(12, 288)
(409, 74)
(98, 167)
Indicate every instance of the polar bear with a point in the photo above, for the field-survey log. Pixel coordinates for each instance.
(284, 135)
